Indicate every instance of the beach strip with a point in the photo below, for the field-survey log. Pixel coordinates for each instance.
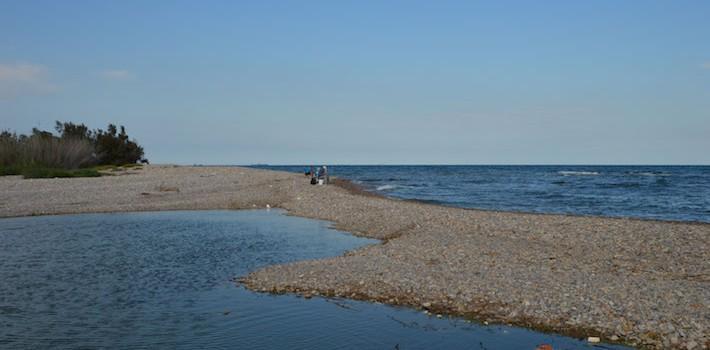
(640, 282)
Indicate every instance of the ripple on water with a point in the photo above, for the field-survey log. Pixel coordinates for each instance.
(163, 280)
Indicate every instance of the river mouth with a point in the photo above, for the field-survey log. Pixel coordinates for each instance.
(165, 280)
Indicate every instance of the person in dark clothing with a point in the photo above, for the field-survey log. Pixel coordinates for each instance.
(322, 174)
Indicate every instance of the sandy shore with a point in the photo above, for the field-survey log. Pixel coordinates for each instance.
(645, 283)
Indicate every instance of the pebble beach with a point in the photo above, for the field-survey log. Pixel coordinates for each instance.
(643, 283)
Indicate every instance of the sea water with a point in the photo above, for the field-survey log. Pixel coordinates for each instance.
(164, 280)
(679, 193)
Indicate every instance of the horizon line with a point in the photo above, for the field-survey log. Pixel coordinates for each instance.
(451, 164)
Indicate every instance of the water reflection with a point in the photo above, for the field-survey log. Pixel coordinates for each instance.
(164, 281)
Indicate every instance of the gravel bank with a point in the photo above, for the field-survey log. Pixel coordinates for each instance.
(645, 283)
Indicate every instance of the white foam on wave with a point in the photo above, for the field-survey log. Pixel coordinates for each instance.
(578, 173)
(386, 187)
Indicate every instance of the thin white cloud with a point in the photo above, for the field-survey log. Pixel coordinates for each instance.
(18, 79)
(116, 74)
(21, 72)
(705, 65)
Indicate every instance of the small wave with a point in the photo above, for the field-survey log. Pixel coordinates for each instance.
(9, 310)
(649, 174)
(662, 182)
(621, 185)
(386, 187)
(476, 181)
(418, 185)
(578, 173)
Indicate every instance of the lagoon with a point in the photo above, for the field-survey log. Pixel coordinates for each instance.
(165, 280)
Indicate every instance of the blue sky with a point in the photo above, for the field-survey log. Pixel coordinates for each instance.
(368, 82)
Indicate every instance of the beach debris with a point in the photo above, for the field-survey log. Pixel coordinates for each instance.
(594, 339)
(268, 207)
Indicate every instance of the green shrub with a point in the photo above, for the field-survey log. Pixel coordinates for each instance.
(45, 173)
(132, 165)
(77, 148)
(42, 149)
(9, 170)
(113, 147)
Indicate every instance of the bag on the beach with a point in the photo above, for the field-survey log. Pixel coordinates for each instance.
(314, 181)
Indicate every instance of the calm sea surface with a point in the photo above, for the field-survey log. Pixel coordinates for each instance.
(653, 192)
(163, 281)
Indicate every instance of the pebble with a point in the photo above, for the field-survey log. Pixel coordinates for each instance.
(643, 281)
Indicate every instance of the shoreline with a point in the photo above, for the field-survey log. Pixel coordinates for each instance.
(356, 189)
(617, 278)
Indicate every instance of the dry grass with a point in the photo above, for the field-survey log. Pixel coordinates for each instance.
(57, 153)
(49, 152)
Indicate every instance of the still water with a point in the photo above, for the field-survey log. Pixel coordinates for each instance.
(163, 280)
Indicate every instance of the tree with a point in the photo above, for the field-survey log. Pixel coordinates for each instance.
(116, 148)
(71, 130)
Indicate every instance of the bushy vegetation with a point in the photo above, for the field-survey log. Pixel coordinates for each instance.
(40, 173)
(71, 153)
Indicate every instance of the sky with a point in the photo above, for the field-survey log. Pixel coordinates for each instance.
(368, 82)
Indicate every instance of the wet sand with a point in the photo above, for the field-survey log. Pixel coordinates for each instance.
(641, 282)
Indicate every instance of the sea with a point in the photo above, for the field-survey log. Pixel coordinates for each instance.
(674, 193)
